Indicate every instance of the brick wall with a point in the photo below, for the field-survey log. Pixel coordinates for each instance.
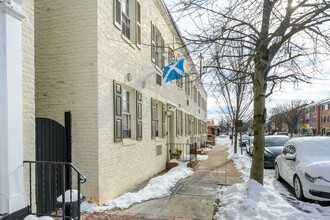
(123, 165)
(66, 77)
(79, 52)
(28, 86)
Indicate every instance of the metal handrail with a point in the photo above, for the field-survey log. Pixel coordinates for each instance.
(45, 184)
(184, 148)
(60, 163)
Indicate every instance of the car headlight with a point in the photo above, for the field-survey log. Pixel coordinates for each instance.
(310, 178)
(313, 179)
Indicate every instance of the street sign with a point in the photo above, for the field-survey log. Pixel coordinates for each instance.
(304, 126)
(299, 126)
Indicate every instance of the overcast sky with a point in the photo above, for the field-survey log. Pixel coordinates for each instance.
(317, 90)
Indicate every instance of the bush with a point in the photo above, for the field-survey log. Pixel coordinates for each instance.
(327, 133)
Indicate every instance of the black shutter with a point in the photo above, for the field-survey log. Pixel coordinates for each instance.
(138, 116)
(118, 119)
(153, 124)
(177, 123)
(163, 120)
(117, 12)
(182, 121)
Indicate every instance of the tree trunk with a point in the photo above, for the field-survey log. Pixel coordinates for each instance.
(236, 133)
(259, 119)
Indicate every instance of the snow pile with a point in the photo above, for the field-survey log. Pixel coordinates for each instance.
(242, 162)
(32, 217)
(222, 140)
(206, 149)
(202, 157)
(157, 187)
(251, 200)
(74, 196)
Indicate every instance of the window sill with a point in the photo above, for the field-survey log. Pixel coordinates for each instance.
(128, 41)
(129, 141)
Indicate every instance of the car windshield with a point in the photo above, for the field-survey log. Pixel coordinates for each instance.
(275, 141)
(245, 138)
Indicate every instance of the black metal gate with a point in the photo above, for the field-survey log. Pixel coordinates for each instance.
(53, 143)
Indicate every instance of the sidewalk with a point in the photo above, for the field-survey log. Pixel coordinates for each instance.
(191, 198)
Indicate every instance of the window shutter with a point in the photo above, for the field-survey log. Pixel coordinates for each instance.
(163, 54)
(153, 125)
(177, 123)
(153, 43)
(117, 13)
(138, 116)
(117, 103)
(163, 120)
(182, 121)
(138, 22)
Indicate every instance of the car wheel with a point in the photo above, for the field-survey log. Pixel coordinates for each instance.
(298, 189)
(277, 173)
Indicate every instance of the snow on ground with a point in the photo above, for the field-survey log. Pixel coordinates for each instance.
(157, 187)
(202, 157)
(251, 200)
(32, 217)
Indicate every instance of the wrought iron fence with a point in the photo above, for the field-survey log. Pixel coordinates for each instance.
(183, 152)
(54, 195)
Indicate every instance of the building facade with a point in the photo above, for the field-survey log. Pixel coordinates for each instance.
(318, 114)
(101, 62)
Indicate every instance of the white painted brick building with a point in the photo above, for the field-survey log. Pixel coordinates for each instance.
(77, 56)
(82, 53)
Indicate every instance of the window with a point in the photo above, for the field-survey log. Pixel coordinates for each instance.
(199, 99)
(156, 121)
(138, 23)
(127, 17)
(179, 83)
(314, 120)
(179, 123)
(157, 47)
(125, 112)
(171, 56)
(157, 118)
(328, 118)
(325, 107)
(195, 94)
(127, 117)
(187, 85)
(126, 22)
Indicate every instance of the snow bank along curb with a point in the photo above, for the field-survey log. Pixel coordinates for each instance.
(157, 187)
(251, 200)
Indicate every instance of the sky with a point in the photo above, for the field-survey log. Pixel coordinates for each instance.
(318, 89)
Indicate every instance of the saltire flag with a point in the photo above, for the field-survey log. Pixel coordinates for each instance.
(174, 71)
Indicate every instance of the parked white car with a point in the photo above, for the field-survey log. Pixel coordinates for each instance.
(305, 165)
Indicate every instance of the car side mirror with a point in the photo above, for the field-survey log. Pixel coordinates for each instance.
(290, 157)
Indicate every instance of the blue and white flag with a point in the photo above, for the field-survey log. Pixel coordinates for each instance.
(174, 71)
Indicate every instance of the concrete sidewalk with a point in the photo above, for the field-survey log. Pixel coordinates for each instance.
(193, 197)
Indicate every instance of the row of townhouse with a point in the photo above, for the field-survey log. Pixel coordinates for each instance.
(317, 117)
(93, 68)
(313, 118)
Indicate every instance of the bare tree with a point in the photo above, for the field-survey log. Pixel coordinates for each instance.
(292, 114)
(282, 38)
(277, 117)
(234, 98)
